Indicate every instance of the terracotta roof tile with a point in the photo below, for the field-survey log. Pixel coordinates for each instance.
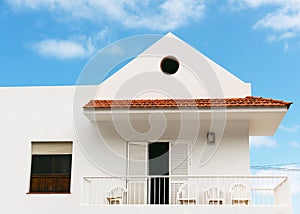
(249, 101)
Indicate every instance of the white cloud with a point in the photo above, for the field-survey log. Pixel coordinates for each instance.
(284, 17)
(102, 35)
(262, 141)
(286, 46)
(163, 15)
(241, 4)
(283, 36)
(77, 46)
(287, 35)
(294, 144)
(63, 49)
(271, 38)
(281, 20)
(260, 3)
(290, 129)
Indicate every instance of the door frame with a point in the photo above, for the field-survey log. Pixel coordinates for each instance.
(170, 142)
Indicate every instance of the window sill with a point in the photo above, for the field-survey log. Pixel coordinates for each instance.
(49, 193)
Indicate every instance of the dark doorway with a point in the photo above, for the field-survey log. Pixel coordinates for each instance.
(159, 165)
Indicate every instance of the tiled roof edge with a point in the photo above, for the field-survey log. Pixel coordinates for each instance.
(249, 101)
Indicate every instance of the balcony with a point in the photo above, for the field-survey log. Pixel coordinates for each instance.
(265, 193)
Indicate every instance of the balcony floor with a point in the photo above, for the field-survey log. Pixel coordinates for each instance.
(185, 209)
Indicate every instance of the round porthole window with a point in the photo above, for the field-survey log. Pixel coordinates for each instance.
(169, 65)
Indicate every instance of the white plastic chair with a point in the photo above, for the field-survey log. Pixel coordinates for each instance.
(214, 195)
(187, 194)
(116, 195)
(240, 194)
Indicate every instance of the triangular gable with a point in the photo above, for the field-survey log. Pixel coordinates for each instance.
(196, 77)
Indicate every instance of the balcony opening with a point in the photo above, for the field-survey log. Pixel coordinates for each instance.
(158, 165)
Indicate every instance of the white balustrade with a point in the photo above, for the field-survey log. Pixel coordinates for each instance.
(163, 190)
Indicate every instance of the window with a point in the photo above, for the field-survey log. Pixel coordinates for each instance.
(51, 167)
(169, 65)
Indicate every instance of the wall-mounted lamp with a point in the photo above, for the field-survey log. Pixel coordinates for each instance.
(210, 138)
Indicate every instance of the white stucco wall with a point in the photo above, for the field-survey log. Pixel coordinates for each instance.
(197, 76)
(47, 114)
(37, 114)
(230, 154)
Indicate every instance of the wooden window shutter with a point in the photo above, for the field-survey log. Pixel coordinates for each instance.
(137, 159)
(179, 158)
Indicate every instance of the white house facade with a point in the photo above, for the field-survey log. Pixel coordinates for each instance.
(168, 132)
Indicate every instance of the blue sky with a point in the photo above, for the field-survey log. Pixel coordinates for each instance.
(48, 42)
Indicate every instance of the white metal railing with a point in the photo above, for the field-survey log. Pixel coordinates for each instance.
(202, 190)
